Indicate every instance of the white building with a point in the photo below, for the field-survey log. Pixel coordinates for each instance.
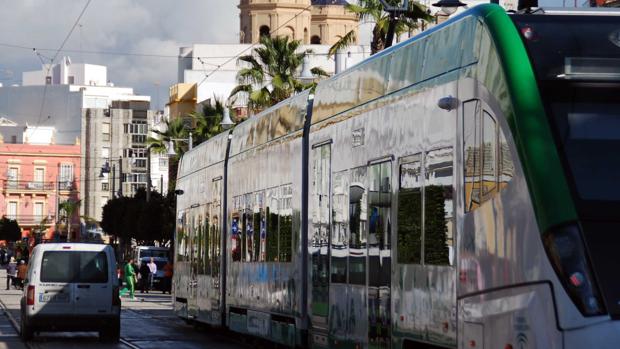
(84, 108)
(214, 67)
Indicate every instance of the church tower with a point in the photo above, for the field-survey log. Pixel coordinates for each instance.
(310, 21)
(261, 17)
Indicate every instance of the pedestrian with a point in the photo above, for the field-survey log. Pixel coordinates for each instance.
(144, 277)
(11, 272)
(153, 271)
(130, 278)
(168, 269)
(22, 271)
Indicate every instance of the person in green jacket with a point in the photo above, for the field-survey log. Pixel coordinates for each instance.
(130, 277)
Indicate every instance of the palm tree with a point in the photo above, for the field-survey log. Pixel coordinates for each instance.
(271, 75)
(372, 11)
(207, 123)
(176, 128)
(69, 207)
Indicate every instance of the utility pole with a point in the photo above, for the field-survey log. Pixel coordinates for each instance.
(113, 181)
(120, 174)
(148, 174)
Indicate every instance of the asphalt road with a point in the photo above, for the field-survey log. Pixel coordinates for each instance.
(147, 322)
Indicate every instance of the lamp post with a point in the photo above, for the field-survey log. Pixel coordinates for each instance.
(395, 12)
(189, 141)
(449, 6)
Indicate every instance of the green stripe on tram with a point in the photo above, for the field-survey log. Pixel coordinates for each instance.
(552, 200)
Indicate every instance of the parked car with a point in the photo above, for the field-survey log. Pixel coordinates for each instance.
(71, 287)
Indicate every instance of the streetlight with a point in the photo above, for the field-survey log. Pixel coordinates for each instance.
(226, 120)
(395, 12)
(449, 6)
(189, 140)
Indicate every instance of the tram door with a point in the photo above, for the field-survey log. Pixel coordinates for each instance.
(195, 227)
(379, 254)
(319, 242)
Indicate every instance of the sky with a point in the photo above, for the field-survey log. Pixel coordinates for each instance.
(158, 27)
(123, 26)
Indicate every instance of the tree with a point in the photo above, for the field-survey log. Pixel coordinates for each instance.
(9, 230)
(69, 207)
(270, 74)
(372, 11)
(176, 128)
(207, 123)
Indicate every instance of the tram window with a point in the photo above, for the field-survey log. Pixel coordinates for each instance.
(410, 211)
(438, 207)
(357, 226)
(489, 156)
(506, 166)
(248, 229)
(339, 238)
(236, 237)
(285, 240)
(199, 247)
(258, 222)
(471, 154)
(271, 243)
(379, 223)
(181, 238)
(321, 174)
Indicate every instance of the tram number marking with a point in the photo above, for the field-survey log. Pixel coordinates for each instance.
(357, 137)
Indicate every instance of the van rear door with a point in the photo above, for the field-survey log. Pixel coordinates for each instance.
(93, 286)
(54, 291)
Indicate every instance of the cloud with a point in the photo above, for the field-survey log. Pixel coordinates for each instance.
(131, 26)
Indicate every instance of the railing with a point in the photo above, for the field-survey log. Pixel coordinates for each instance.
(23, 219)
(66, 185)
(28, 185)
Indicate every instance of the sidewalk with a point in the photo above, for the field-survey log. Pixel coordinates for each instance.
(9, 315)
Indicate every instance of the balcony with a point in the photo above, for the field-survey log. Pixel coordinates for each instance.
(33, 220)
(27, 186)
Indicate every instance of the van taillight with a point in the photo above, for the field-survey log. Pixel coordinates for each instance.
(30, 295)
(568, 255)
(116, 299)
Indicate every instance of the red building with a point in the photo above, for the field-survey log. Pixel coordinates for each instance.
(34, 180)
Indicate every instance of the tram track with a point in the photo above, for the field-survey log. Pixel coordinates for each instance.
(38, 345)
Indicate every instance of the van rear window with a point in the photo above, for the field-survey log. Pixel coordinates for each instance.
(74, 266)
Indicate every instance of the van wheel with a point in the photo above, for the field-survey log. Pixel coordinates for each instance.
(26, 331)
(110, 334)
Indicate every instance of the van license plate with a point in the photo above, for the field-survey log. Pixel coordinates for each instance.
(54, 297)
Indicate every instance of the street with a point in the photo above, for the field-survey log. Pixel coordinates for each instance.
(147, 322)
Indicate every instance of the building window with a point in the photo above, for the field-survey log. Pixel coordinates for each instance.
(264, 31)
(11, 210)
(163, 163)
(315, 40)
(105, 186)
(71, 80)
(37, 211)
(48, 80)
(66, 175)
(138, 138)
(13, 177)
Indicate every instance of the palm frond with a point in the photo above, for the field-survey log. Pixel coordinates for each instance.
(347, 40)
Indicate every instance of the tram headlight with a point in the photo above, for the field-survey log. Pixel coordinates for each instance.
(566, 251)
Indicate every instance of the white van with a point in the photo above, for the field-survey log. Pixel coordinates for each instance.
(71, 287)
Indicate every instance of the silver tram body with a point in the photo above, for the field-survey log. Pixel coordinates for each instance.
(359, 218)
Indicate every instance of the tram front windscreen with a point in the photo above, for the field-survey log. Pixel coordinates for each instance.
(576, 60)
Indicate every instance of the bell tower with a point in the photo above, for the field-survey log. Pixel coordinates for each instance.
(290, 18)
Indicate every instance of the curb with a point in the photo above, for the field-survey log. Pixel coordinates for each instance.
(14, 323)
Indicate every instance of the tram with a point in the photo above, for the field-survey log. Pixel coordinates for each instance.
(457, 190)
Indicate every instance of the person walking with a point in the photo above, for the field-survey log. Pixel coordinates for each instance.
(22, 271)
(144, 277)
(153, 271)
(130, 278)
(11, 273)
(168, 277)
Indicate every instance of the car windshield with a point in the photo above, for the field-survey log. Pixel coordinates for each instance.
(74, 266)
(153, 253)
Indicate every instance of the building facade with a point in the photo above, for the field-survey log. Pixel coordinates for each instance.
(36, 178)
(86, 109)
(310, 21)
